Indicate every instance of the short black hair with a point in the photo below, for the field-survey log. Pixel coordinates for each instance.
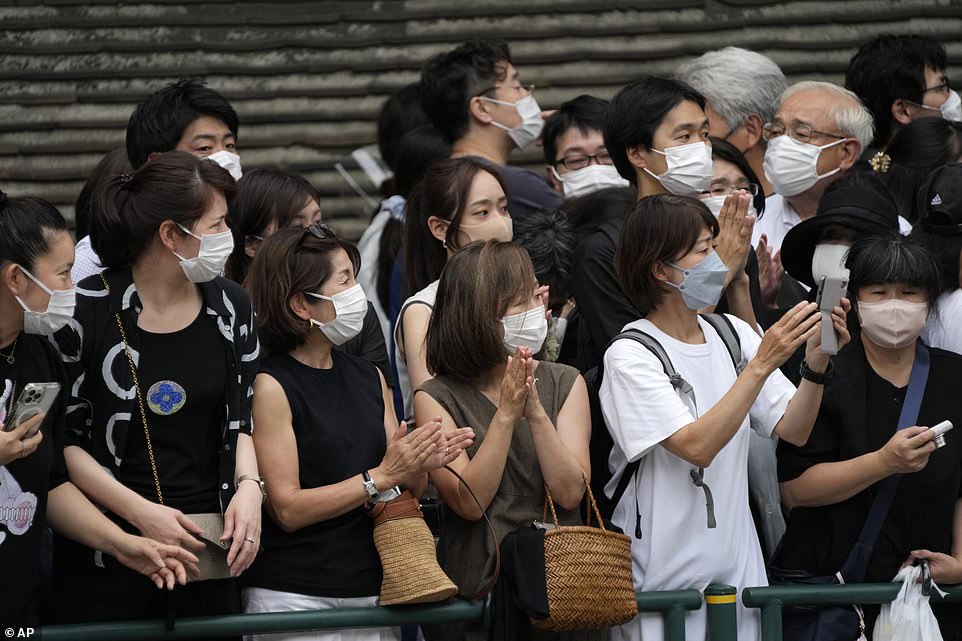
(917, 149)
(109, 167)
(636, 112)
(25, 228)
(889, 68)
(724, 150)
(875, 260)
(449, 81)
(400, 113)
(158, 123)
(549, 239)
(585, 112)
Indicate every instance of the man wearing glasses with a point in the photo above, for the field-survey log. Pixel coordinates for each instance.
(900, 79)
(474, 96)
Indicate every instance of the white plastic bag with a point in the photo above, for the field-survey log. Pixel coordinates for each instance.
(909, 617)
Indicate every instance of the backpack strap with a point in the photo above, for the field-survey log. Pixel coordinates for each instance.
(724, 328)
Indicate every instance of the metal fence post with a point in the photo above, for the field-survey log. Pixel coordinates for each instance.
(721, 603)
(772, 621)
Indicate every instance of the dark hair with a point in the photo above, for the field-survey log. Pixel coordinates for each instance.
(399, 114)
(158, 123)
(889, 68)
(916, 150)
(946, 248)
(479, 283)
(417, 150)
(585, 112)
(263, 196)
(636, 112)
(874, 260)
(587, 213)
(724, 150)
(175, 186)
(291, 261)
(449, 81)
(26, 226)
(549, 239)
(110, 166)
(660, 228)
(442, 192)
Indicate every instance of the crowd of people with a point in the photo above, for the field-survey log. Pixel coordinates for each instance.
(716, 308)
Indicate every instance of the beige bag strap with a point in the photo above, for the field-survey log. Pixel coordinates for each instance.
(140, 400)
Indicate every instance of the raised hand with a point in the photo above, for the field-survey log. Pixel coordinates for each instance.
(515, 385)
(734, 239)
(770, 272)
(410, 454)
(781, 340)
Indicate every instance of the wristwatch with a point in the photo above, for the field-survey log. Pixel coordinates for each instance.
(257, 479)
(375, 496)
(819, 378)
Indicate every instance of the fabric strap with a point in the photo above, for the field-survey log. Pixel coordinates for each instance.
(856, 564)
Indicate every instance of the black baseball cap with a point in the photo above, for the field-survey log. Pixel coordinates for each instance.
(940, 200)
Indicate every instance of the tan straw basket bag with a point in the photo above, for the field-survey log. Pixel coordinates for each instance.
(588, 574)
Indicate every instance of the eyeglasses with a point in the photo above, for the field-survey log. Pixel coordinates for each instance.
(799, 133)
(580, 161)
(720, 191)
(944, 88)
(320, 231)
(517, 88)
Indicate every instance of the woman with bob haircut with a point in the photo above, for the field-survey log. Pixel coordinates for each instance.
(686, 505)
(531, 418)
(36, 299)
(160, 358)
(327, 440)
(831, 482)
(458, 201)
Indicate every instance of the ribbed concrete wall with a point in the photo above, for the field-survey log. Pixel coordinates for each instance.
(307, 78)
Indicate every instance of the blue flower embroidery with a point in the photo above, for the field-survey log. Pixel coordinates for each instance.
(166, 397)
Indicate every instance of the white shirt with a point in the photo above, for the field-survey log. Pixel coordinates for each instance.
(426, 296)
(677, 550)
(86, 261)
(943, 328)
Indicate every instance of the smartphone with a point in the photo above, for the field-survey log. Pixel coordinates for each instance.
(831, 290)
(34, 399)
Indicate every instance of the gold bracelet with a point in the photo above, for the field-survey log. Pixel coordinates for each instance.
(256, 479)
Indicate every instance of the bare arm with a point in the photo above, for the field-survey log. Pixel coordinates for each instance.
(946, 568)
(414, 325)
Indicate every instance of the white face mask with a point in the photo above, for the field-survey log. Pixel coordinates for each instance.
(229, 161)
(527, 329)
(589, 179)
(209, 263)
(689, 169)
(715, 204)
(829, 261)
(531, 122)
(58, 313)
(791, 166)
(350, 308)
(951, 109)
(892, 323)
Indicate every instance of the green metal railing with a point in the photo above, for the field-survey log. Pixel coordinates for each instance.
(672, 605)
(772, 599)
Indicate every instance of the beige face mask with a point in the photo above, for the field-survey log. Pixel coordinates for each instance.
(892, 323)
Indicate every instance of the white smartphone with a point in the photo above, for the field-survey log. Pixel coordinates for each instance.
(34, 399)
(831, 290)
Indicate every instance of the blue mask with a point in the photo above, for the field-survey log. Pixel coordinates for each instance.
(702, 284)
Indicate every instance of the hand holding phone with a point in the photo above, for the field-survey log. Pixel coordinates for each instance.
(34, 399)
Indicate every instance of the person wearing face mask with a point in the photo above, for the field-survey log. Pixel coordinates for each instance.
(474, 97)
(458, 201)
(574, 148)
(686, 504)
(830, 483)
(37, 299)
(327, 441)
(165, 433)
(531, 418)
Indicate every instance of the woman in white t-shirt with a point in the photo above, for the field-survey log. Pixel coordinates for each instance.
(687, 505)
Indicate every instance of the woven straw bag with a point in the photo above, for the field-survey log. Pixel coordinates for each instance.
(588, 574)
(408, 558)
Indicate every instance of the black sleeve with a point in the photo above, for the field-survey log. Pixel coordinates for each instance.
(823, 446)
(369, 345)
(603, 307)
(57, 424)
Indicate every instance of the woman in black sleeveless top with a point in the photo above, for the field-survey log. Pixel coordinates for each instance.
(327, 440)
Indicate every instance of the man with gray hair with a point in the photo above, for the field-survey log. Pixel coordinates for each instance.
(741, 88)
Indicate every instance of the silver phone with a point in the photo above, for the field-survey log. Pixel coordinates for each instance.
(34, 399)
(831, 290)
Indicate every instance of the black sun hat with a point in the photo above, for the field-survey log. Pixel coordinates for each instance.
(940, 200)
(857, 208)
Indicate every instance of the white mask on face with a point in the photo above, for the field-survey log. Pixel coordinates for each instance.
(209, 263)
(229, 161)
(58, 313)
(531, 122)
(350, 308)
(715, 204)
(829, 261)
(527, 329)
(951, 109)
(589, 179)
(892, 323)
(689, 169)
(792, 166)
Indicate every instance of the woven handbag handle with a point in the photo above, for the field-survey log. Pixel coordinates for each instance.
(483, 592)
(592, 506)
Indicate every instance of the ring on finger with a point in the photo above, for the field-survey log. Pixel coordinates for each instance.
(250, 539)
(23, 449)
